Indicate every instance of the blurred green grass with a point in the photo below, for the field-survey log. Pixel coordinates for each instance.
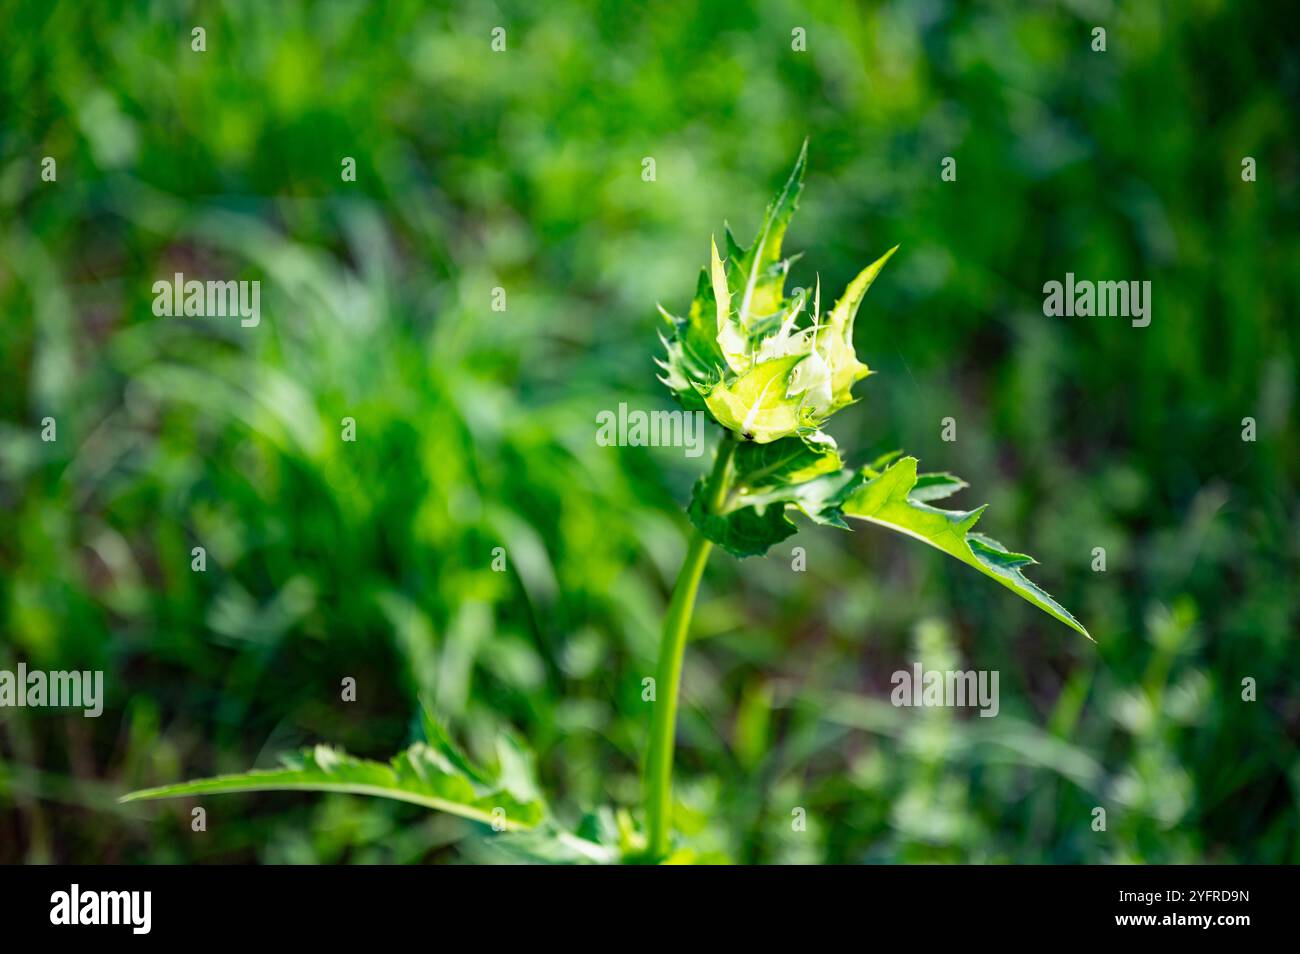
(522, 170)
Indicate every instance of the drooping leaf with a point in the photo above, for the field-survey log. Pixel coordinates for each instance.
(820, 499)
(801, 472)
(888, 500)
(748, 531)
(422, 775)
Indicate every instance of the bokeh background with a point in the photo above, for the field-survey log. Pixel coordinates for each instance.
(476, 428)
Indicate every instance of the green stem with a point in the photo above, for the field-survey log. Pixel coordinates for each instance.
(668, 675)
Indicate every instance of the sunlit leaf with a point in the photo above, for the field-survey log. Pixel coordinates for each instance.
(889, 500)
(800, 472)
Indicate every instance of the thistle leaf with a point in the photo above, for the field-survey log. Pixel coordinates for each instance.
(749, 531)
(889, 499)
(423, 775)
(805, 473)
(836, 339)
(791, 460)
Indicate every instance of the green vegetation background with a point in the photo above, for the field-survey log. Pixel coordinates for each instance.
(476, 428)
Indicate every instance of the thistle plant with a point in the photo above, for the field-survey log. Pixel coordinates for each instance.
(770, 370)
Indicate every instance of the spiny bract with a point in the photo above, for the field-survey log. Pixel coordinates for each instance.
(771, 371)
(763, 365)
